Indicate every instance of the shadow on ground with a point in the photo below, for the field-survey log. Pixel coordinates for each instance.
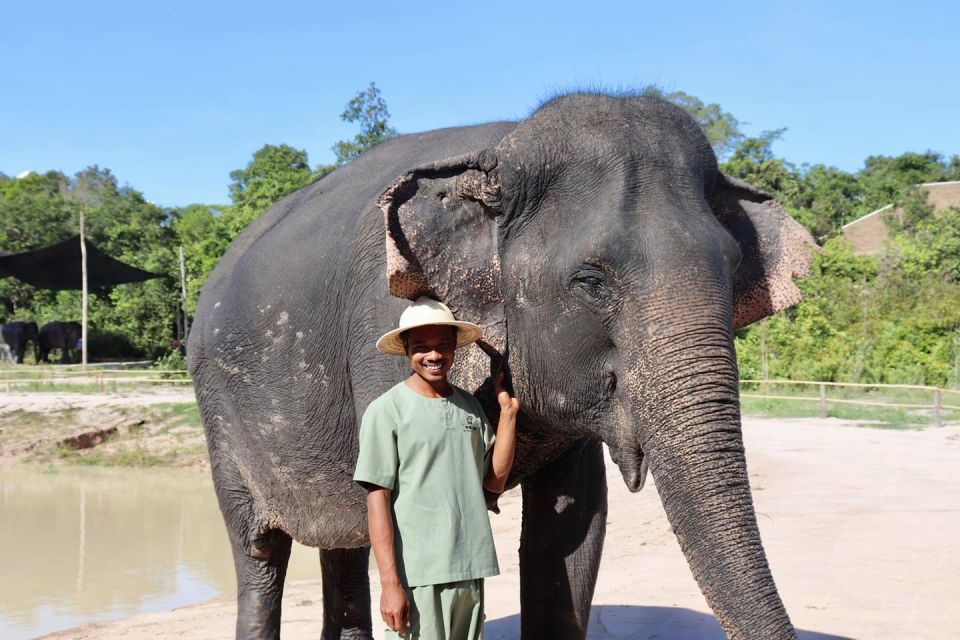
(613, 622)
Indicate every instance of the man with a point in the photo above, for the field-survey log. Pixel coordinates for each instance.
(427, 453)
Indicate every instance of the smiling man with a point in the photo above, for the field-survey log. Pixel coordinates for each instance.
(427, 452)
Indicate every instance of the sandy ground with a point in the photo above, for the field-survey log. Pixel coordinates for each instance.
(860, 525)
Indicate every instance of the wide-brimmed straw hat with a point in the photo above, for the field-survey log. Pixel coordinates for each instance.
(426, 311)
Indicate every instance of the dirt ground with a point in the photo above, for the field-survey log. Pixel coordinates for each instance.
(860, 525)
(37, 401)
(135, 428)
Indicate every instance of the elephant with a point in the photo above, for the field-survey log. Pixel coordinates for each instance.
(607, 259)
(16, 335)
(59, 335)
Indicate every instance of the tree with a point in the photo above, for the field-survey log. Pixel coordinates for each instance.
(369, 109)
(32, 215)
(274, 172)
(753, 162)
(202, 232)
(721, 128)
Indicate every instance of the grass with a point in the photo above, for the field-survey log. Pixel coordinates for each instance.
(171, 436)
(136, 456)
(177, 414)
(26, 421)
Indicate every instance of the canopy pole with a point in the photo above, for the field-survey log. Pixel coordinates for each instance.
(183, 296)
(83, 275)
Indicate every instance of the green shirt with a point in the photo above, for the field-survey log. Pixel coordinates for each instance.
(432, 453)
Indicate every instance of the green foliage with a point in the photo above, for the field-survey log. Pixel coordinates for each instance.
(203, 232)
(863, 319)
(137, 320)
(930, 244)
(173, 364)
(39, 210)
(274, 172)
(369, 109)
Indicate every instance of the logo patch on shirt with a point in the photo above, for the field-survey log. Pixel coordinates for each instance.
(472, 424)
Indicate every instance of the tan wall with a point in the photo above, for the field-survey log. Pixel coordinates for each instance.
(869, 234)
(944, 195)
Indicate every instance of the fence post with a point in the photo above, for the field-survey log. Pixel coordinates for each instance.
(937, 419)
(823, 400)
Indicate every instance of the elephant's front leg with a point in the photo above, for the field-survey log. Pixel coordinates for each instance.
(564, 521)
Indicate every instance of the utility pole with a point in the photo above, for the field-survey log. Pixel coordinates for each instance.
(83, 275)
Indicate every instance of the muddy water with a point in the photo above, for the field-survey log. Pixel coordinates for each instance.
(84, 545)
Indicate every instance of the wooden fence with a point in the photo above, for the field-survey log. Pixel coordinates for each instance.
(94, 378)
(936, 406)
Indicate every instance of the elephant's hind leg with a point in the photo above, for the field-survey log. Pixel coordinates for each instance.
(346, 594)
(260, 554)
(261, 569)
(564, 522)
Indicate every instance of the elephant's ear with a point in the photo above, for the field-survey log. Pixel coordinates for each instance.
(441, 241)
(775, 249)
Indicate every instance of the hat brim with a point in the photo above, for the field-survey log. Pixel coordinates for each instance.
(467, 333)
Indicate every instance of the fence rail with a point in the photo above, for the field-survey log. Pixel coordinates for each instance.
(50, 378)
(936, 405)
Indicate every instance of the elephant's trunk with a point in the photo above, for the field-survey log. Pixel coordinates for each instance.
(681, 387)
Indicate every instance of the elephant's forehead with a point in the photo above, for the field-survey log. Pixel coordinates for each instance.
(585, 129)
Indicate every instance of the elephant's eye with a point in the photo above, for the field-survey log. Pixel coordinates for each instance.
(591, 285)
(590, 282)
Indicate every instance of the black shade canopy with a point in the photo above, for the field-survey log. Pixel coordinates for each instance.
(58, 267)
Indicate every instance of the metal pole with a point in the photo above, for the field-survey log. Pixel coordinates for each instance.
(183, 295)
(823, 400)
(83, 272)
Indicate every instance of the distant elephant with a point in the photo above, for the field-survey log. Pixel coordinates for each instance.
(606, 257)
(16, 336)
(59, 335)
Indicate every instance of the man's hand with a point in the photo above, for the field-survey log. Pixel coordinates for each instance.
(502, 457)
(394, 608)
(507, 402)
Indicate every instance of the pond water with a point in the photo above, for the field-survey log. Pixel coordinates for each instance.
(85, 545)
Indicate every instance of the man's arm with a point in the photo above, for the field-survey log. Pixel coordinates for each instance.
(393, 599)
(502, 457)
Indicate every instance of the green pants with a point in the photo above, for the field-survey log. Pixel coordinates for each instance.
(452, 611)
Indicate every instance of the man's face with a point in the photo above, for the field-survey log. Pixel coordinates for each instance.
(431, 350)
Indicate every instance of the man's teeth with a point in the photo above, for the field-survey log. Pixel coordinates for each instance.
(434, 367)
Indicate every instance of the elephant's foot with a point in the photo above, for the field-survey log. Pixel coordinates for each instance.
(261, 569)
(564, 521)
(346, 594)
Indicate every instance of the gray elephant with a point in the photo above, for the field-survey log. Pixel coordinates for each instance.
(16, 336)
(59, 335)
(607, 259)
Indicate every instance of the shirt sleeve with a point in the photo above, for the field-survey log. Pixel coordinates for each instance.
(378, 460)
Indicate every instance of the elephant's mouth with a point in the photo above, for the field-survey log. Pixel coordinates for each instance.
(627, 453)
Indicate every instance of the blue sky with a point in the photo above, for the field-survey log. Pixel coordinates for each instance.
(173, 95)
